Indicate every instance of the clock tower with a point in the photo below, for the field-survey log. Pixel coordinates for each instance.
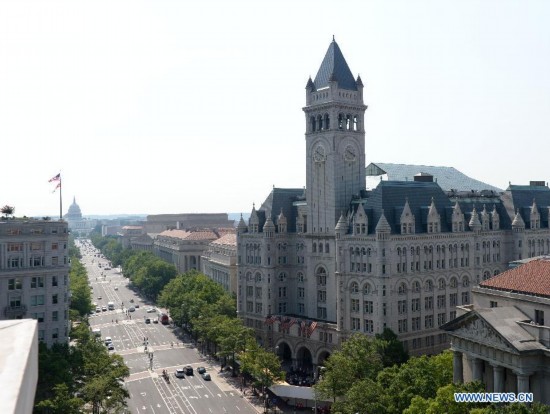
(335, 141)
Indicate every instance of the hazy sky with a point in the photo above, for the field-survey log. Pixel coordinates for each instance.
(179, 106)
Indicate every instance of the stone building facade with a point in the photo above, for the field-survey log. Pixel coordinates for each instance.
(219, 262)
(503, 337)
(318, 264)
(34, 275)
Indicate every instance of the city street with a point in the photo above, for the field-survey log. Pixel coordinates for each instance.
(150, 348)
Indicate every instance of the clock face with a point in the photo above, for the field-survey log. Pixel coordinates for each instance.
(319, 153)
(350, 153)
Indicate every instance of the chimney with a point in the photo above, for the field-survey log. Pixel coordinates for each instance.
(424, 178)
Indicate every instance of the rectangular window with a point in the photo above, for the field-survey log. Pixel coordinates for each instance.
(402, 307)
(282, 292)
(355, 324)
(15, 247)
(55, 333)
(368, 306)
(402, 325)
(415, 325)
(493, 304)
(54, 281)
(539, 317)
(428, 321)
(37, 282)
(355, 305)
(54, 299)
(36, 246)
(54, 246)
(39, 316)
(321, 296)
(15, 262)
(368, 326)
(452, 315)
(321, 312)
(258, 293)
(453, 299)
(37, 300)
(301, 292)
(301, 308)
(55, 261)
(441, 319)
(282, 307)
(415, 305)
(429, 303)
(259, 307)
(465, 298)
(249, 290)
(14, 284)
(250, 306)
(55, 316)
(41, 334)
(440, 301)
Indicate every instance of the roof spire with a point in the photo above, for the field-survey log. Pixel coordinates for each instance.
(333, 38)
(334, 67)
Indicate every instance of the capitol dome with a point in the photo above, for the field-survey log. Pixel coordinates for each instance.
(74, 212)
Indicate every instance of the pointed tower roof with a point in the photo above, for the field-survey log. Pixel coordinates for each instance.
(254, 216)
(484, 213)
(383, 225)
(518, 220)
(474, 220)
(534, 209)
(360, 215)
(242, 224)
(407, 213)
(433, 209)
(281, 219)
(456, 209)
(269, 223)
(335, 68)
(341, 225)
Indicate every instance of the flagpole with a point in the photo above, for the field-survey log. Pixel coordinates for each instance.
(60, 200)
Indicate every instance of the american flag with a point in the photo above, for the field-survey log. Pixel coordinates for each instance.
(56, 187)
(302, 327)
(291, 322)
(311, 328)
(56, 178)
(270, 320)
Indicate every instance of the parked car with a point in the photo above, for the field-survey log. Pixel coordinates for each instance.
(150, 310)
(108, 340)
(111, 347)
(180, 373)
(201, 370)
(137, 305)
(206, 376)
(131, 309)
(104, 308)
(188, 370)
(147, 320)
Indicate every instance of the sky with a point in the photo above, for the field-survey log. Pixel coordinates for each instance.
(149, 107)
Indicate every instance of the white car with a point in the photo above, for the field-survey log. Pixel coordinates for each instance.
(150, 310)
(116, 288)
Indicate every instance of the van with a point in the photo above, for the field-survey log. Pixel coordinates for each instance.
(111, 305)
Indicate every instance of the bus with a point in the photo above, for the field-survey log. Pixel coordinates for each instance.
(163, 318)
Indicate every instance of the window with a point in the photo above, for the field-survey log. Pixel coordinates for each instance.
(367, 289)
(15, 247)
(301, 308)
(415, 325)
(55, 299)
(37, 300)
(465, 281)
(282, 307)
(452, 315)
(402, 325)
(14, 284)
(41, 334)
(249, 290)
(15, 301)
(453, 283)
(321, 277)
(355, 324)
(259, 307)
(465, 298)
(368, 306)
(15, 262)
(441, 319)
(54, 246)
(415, 305)
(55, 333)
(355, 305)
(493, 304)
(440, 301)
(55, 316)
(39, 316)
(354, 287)
(37, 282)
(301, 292)
(322, 296)
(428, 321)
(429, 285)
(55, 261)
(282, 292)
(429, 303)
(368, 326)
(453, 299)
(321, 312)
(416, 287)
(402, 307)
(539, 317)
(402, 290)
(54, 281)
(259, 293)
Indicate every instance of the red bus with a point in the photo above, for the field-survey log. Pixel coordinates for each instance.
(163, 318)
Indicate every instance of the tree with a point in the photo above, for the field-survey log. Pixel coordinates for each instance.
(62, 402)
(390, 348)
(8, 210)
(444, 400)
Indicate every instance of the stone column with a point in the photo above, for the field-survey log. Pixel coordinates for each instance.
(523, 382)
(458, 370)
(498, 378)
(477, 369)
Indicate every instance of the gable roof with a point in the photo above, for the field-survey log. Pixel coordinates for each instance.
(334, 67)
(448, 178)
(532, 278)
(497, 327)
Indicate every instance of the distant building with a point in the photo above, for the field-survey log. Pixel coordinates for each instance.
(18, 366)
(318, 264)
(34, 275)
(78, 224)
(219, 262)
(129, 233)
(157, 223)
(503, 338)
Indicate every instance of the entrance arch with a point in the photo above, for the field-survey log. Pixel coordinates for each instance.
(322, 356)
(304, 359)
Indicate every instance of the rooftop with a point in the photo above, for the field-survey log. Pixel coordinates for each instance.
(532, 278)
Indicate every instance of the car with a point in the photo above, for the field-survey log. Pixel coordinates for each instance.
(147, 320)
(201, 370)
(111, 347)
(150, 310)
(98, 309)
(188, 370)
(155, 321)
(99, 298)
(131, 300)
(108, 340)
(116, 287)
(104, 308)
(179, 373)
(131, 309)
(136, 305)
(206, 376)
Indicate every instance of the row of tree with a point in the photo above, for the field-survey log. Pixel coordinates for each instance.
(356, 379)
(82, 376)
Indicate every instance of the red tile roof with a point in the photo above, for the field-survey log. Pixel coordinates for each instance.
(227, 240)
(532, 278)
(190, 235)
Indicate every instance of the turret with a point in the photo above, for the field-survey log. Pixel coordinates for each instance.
(407, 220)
(475, 224)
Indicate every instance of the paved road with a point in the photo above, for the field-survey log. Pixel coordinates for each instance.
(149, 392)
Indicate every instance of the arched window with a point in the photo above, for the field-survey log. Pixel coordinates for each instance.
(320, 247)
(348, 122)
(312, 120)
(367, 289)
(416, 286)
(429, 285)
(340, 121)
(258, 277)
(354, 288)
(314, 248)
(320, 122)
(321, 276)
(453, 283)
(486, 275)
(282, 277)
(465, 281)
(327, 121)
(355, 123)
(441, 283)
(300, 277)
(402, 290)
(327, 250)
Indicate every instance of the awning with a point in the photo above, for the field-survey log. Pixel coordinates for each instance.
(294, 392)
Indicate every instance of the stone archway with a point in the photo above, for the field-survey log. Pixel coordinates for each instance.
(304, 359)
(284, 352)
(322, 357)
